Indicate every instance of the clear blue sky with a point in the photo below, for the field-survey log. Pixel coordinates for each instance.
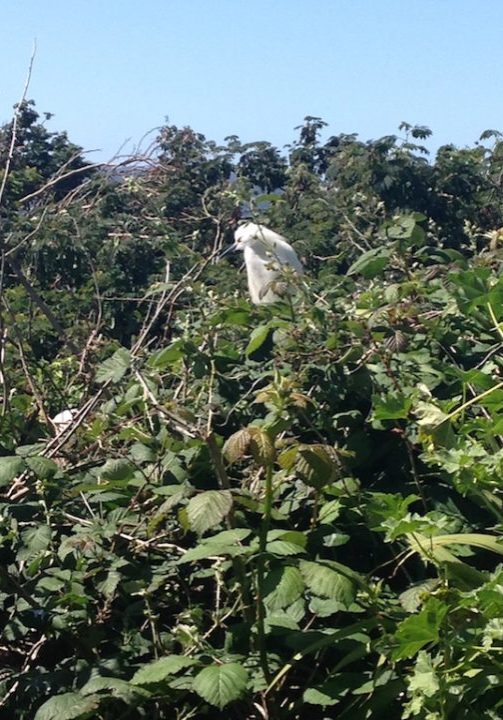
(111, 70)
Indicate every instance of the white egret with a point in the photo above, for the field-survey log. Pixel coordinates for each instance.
(266, 254)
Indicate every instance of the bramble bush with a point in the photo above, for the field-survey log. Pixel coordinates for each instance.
(279, 511)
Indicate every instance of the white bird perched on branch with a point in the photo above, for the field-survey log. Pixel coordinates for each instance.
(266, 255)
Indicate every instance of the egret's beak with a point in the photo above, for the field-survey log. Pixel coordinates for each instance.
(231, 248)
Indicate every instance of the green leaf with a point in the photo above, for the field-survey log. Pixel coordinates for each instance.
(282, 620)
(318, 465)
(405, 227)
(371, 263)
(43, 467)
(207, 550)
(433, 548)
(231, 316)
(261, 446)
(463, 575)
(412, 599)
(328, 694)
(158, 670)
(486, 542)
(378, 679)
(51, 584)
(333, 690)
(282, 586)
(324, 607)
(112, 686)
(335, 539)
(31, 450)
(330, 511)
(391, 407)
(325, 581)
(37, 538)
(281, 548)
(68, 706)
(114, 368)
(323, 695)
(10, 467)
(141, 453)
(232, 536)
(208, 509)
(287, 458)
(221, 684)
(183, 518)
(236, 446)
(167, 356)
(291, 536)
(117, 470)
(257, 338)
(415, 632)
(223, 543)
(428, 415)
(424, 681)
(109, 585)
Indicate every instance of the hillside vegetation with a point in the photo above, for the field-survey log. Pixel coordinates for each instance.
(290, 511)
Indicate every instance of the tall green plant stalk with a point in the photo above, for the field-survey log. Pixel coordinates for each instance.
(237, 563)
(264, 530)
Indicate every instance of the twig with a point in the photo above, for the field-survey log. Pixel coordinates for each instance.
(30, 658)
(3, 186)
(60, 176)
(178, 423)
(15, 121)
(18, 488)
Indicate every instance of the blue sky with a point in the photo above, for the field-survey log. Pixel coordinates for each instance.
(111, 70)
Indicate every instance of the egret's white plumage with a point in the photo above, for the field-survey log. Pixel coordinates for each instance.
(265, 254)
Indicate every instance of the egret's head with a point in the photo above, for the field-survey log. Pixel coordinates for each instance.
(264, 244)
(250, 235)
(246, 235)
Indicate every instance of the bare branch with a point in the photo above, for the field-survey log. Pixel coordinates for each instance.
(15, 120)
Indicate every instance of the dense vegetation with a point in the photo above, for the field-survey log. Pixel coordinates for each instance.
(286, 511)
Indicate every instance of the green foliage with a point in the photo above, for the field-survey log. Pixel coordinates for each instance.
(221, 684)
(67, 706)
(159, 670)
(265, 511)
(207, 510)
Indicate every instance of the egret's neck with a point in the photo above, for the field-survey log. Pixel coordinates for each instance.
(261, 250)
